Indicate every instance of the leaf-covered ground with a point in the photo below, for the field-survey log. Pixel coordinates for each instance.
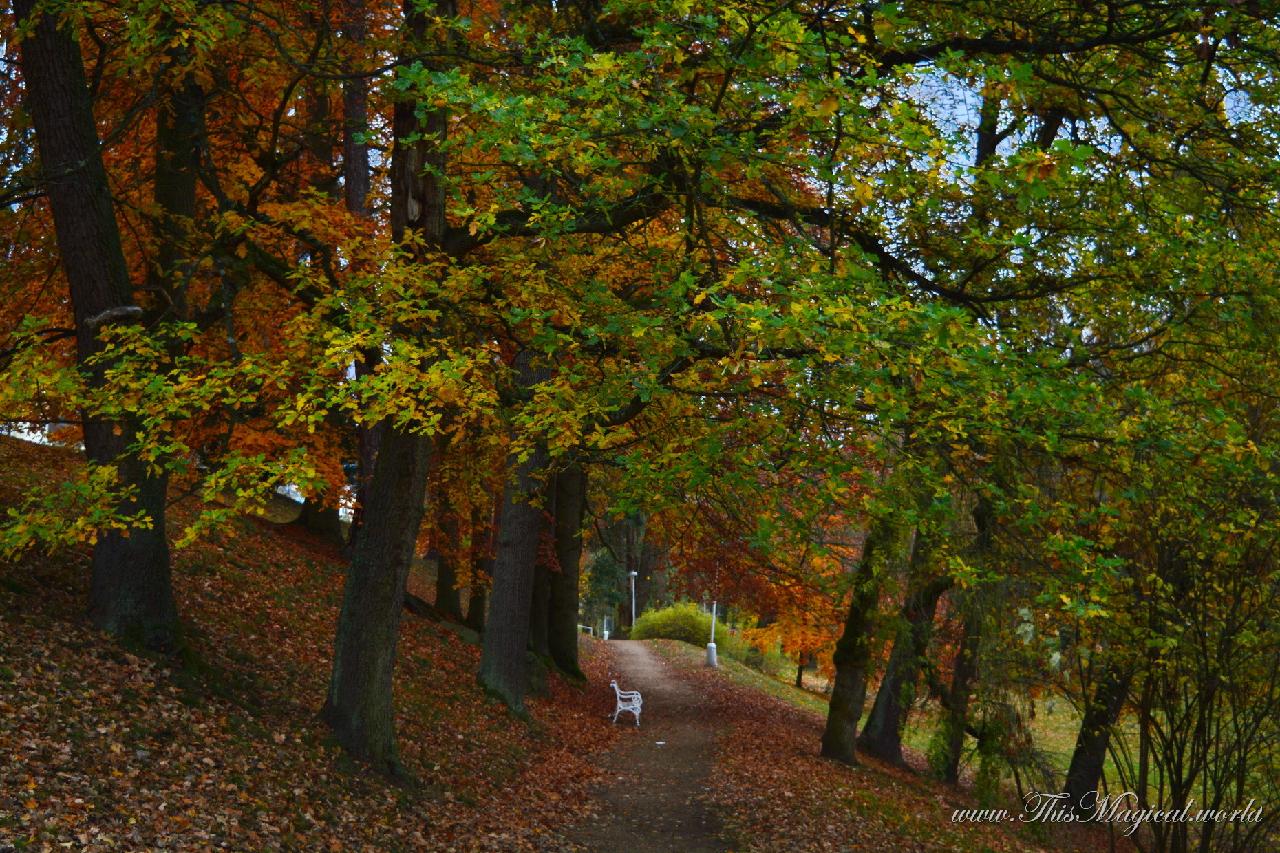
(775, 793)
(220, 748)
(103, 749)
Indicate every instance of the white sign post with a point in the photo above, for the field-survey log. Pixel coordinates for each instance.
(633, 599)
(711, 646)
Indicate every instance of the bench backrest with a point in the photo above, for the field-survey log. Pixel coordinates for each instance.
(625, 695)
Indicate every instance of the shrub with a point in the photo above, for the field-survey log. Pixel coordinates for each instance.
(682, 621)
(686, 622)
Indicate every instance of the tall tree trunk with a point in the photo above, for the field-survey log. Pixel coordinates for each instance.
(478, 601)
(1100, 715)
(540, 607)
(355, 189)
(482, 563)
(359, 706)
(448, 535)
(562, 632)
(540, 600)
(957, 706)
(882, 735)
(320, 516)
(130, 593)
(956, 720)
(368, 437)
(504, 664)
(180, 133)
(853, 651)
(355, 116)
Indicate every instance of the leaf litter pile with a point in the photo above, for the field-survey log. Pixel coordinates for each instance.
(220, 747)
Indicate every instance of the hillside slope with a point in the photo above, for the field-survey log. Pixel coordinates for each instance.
(220, 748)
(774, 793)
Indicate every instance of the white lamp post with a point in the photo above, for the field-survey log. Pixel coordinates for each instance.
(633, 598)
(711, 646)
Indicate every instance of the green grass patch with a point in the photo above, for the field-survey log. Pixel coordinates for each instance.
(744, 676)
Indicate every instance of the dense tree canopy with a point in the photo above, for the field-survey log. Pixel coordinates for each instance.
(937, 336)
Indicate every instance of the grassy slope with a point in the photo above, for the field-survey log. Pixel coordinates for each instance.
(777, 794)
(1054, 727)
(101, 748)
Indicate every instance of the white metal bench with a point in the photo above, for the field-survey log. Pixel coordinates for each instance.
(628, 700)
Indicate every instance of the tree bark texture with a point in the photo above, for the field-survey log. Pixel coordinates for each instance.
(355, 116)
(853, 651)
(355, 189)
(882, 735)
(482, 564)
(540, 600)
(478, 602)
(1100, 715)
(448, 600)
(540, 605)
(957, 708)
(180, 133)
(562, 629)
(504, 664)
(130, 592)
(359, 706)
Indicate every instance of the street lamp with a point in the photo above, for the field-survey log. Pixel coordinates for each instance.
(711, 646)
(633, 598)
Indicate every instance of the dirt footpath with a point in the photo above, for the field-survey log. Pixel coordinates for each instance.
(655, 774)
